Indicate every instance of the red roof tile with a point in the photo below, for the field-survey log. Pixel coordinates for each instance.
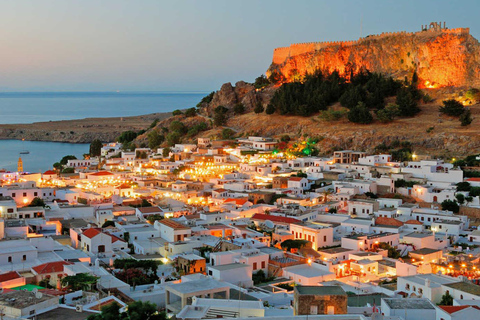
(49, 172)
(264, 217)
(90, 233)
(295, 179)
(51, 267)
(220, 190)
(173, 224)
(474, 179)
(413, 222)
(9, 276)
(388, 221)
(240, 201)
(453, 309)
(101, 173)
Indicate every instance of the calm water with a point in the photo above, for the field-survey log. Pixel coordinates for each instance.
(42, 154)
(28, 107)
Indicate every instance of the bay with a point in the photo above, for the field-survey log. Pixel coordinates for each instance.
(42, 155)
(28, 107)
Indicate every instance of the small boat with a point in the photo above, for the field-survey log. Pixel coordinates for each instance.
(25, 152)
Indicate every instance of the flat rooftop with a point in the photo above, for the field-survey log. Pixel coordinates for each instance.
(425, 251)
(321, 290)
(418, 235)
(465, 287)
(229, 266)
(194, 286)
(411, 303)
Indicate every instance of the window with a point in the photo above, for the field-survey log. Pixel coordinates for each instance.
(10, 210)
(313, 309)
(263, 264)
(35, 194)
(330, 310)
(407, 286)
(24, 194)
(13, 195)
(10, 259)
(324, 238)
(254, 266)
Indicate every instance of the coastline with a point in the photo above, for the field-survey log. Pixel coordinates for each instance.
(79, 130)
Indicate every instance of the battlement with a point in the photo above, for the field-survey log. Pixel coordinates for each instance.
(282, 53)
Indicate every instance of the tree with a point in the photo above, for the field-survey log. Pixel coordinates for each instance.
(154, 217)
(293, 244)
(191, 112)
(108, 223)
(80, 281)
(177, 126)
(154, 139)
(270, 109)
(452, 108)
(447, 299)
(137, 310)
(166, 152)
(154, 123)
(466, 118)
(450, 205)
(220, 116)
(177, 112)
(407, 102)
(127, 136)
(37, 202)
(66, 158)
(261, 82)
(239, 108)
(258, 108)
(174, 138)
(96, 148)
(463, 186)
(360, 114)
(460, 198)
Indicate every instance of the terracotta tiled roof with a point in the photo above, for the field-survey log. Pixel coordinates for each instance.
(49, 172)
(9, 276)
(102, 173)
(453, 309)
(149, 209)
(115, 238)
(51, 267)
(388, 221)
(264, 217)
(474, 179)
(219, 190)
(173, 224)
(90, 233)
(295, 179)
(240, 201)
(413, 222)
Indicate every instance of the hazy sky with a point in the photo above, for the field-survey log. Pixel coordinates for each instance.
(185, 45)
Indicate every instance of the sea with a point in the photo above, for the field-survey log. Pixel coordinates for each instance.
(29, 107)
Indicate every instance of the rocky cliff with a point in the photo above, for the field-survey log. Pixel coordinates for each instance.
(441, 57)
(244, 93)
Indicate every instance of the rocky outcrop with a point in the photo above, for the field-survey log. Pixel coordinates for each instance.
(441, 57)
(244, 93)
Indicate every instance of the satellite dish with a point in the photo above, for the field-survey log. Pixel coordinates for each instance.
(269, 224)
(35, 290)
(38, 295)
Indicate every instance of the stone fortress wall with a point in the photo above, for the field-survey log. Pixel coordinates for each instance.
(281, 54)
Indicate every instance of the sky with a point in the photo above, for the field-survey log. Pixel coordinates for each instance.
(185, 45)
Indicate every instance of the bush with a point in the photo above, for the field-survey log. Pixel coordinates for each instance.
(178, 126)
(472, 94)
(239, 108)
(174, 138)
(463, 186)
(153, 124)
(191, 112)
(332, 115)
(387, 114)
(466, 118)
(270, 109)
(227, 133)
(360, 114)
(258, 108)
(207, 99)
(451, 108)
(177, 112)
